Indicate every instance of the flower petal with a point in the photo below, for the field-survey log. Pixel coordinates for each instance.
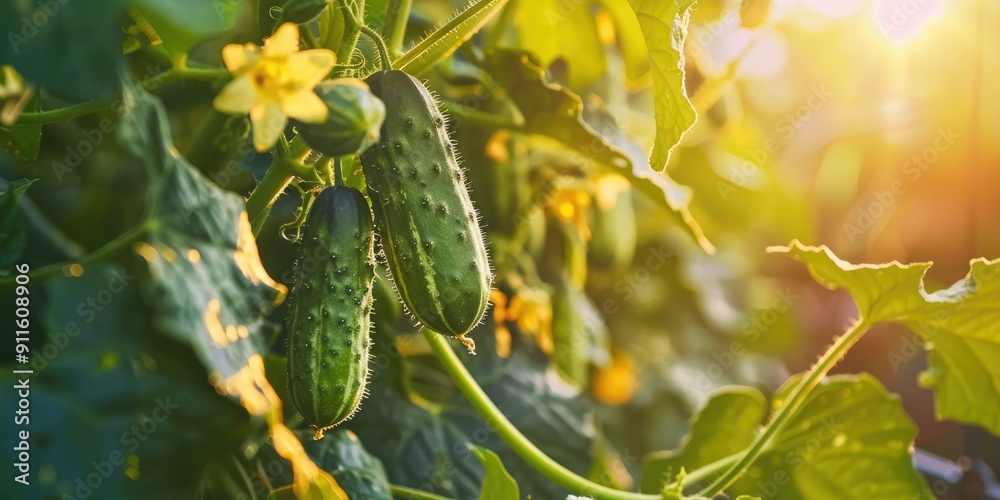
(268, 124)
(238, 56)
(283, 42)
(309, 67)
(237, 97)
(304, 106)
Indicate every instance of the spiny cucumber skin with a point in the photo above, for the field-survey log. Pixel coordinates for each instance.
(427, 226)
(331, 307)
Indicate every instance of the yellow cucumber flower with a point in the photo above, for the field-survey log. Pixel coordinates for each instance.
(273, 83)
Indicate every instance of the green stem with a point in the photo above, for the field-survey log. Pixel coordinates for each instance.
(109, 248)
(399, 14)
(383, 52)
(67, 113)
(784, 414)
(338, 172)
(510, 435)
(309, 40)
(266, 193)
(404, 492)
(352, 30)
(490, 120)
(706, 471)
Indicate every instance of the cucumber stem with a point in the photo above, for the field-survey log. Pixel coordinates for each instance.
(784, 414)
(383, 52)
(513, 437)
(338, 172)
(399, 15)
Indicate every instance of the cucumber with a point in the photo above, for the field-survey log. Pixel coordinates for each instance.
(328, 337)
(352, 122)
(427, 226)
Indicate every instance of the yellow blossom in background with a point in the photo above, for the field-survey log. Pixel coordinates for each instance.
(531, 309)
(617, 383)
(273, 83)
(570, 204)
(14, 96)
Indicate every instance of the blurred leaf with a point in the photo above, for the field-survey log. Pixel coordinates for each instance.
(726, 425)
(629, 37)
(426, 447)
(182, 23)
(961, 324)
(551, 30)
(206, 279)
(12, 238)
(664, 26)
(23, 141)
(340, 453)
(498, 485)
(850, 439)
(115, 403)
(554, 111)
(71, 49)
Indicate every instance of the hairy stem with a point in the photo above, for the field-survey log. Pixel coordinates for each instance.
(784, 414)
(513, 437)
(383, 52)
(399, 14)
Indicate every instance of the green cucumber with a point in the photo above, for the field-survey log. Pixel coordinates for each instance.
(427, 226)
(352, 122)
(328, 337)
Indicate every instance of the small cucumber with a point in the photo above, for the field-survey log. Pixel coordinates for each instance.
(427, 226)
(353, 120)
(328, 338)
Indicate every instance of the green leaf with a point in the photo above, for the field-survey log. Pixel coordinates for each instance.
(71, 49)
(422, 441)
(340, 453)
(724, 426)
(12, 238)
(850, 439)
(664, 27)
(960, 324)
(206, 280)
(449, 37)
(111, 395)
(23, 141)
(180, 24)
(551, 30)
(555, 111)
(498, 485)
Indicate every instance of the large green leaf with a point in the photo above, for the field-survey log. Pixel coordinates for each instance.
(206, 280)
(182, 23)
(498, 485)
(851, 439)
(960, 324)
(340, 453)
(552, 110)
(12, 238)
(552, 31)
(71, 49)
(664, 27)
(118, 410)
(726, 425)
